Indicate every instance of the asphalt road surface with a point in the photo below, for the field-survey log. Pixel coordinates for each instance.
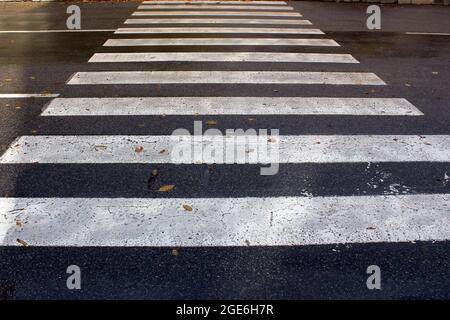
(88, 176)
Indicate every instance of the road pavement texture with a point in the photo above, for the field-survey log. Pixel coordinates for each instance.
(85, 162)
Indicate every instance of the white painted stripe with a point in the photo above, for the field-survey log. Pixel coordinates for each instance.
(224, 56)
(430, 33)
(218, 21)
(56, 31)
(217, 13)
(270, 221)
(28, 95)
(230, 77)
(282, 3)
(282, 149)
(220, 42)
(213, 7)
(230, 106)
(204, 30)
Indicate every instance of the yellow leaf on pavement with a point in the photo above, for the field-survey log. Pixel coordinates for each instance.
(22, 242)
(167, 187)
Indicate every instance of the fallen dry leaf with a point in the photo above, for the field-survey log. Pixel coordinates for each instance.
(174, 252)
(371, 227)
(18, 225)
(22, 242)
(166, 188)
(139, 149)
(187, 207)
(211, 122)
(33, 78)
(162, 151)
(100, 147)
(154, 172)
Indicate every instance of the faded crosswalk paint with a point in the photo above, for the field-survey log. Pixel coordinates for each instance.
(217, 21)
(229, 77)
(214, 7)
(221, 42)
(291, 149)
(28, 95)
(224, 57)
(229, 106)
(241, 221)
(217, 13)
(271, 221)
(203, 30)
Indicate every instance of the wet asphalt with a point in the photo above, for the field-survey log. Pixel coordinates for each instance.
(415, 67)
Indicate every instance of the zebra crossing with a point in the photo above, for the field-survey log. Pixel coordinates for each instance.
(223, 56)
(258, 77)
(216, 21)
(201, 6)
(220, 42)
(163, 221)
(292, 149)
(218, 30)
(217, 13)
(229, 105)
(260, 221)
